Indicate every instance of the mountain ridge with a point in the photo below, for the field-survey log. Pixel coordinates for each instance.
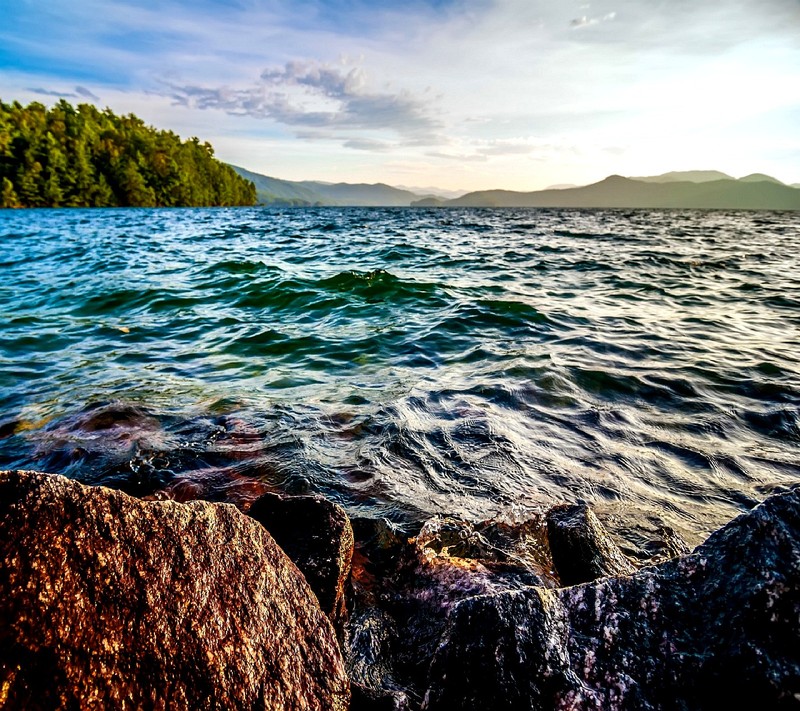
(677, 189)
(307, 193)
(619, 192)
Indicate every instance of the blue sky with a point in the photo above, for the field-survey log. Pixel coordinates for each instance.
(460, 94)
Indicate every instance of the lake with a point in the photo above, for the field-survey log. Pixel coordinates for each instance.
(409, 362)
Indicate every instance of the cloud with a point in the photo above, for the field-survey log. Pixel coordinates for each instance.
(460, 157)
(80, 92)
(585, 21)
(85, 93)
(507, 147)
(367, 144)
(333, 99)
(50, 92)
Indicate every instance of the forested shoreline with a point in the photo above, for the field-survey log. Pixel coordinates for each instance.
(80, 156)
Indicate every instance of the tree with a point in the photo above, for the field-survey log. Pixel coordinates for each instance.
(8, 198)
(81, 156)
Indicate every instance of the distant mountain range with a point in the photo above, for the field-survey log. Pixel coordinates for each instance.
(694, 189)
(273, 191)
(688, 189)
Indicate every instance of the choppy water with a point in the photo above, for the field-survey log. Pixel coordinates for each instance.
(409, 362)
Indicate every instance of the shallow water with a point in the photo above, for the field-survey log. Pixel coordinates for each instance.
(409, 362)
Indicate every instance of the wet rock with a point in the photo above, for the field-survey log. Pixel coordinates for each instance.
(316, 534)
(369, 655)
(581, 548)
(110, 602)
(412, 584)
(668, 544)
(515, 554)
(719, 628)
(496, 666)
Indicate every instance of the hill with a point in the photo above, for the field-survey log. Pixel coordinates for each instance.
(362, 194)
(760, 178)
(274, 191)
(83, 157)
(616, 191)
(691, 176)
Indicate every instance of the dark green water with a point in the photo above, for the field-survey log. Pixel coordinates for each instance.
(409, 362)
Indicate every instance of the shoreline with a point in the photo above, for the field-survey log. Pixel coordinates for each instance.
(413, 616)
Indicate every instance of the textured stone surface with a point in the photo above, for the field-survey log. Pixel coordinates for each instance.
(110, 602)
(316, 534)
(369, 655)
(581, 548)
(719, 628)
(403, 590)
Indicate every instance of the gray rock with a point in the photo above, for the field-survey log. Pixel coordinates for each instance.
(719, 628)
(581, 548)
(110, 602)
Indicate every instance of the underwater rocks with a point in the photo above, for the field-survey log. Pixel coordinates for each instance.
(108, 602)
(719, 628)
(316, 534)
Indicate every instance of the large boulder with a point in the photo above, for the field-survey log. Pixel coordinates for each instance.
(109, 602)
(719, 628)
(316, 534)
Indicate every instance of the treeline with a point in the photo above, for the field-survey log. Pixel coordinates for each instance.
(82, 157)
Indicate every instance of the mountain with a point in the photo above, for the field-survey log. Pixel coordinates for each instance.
(691, 176)
(432, 192)
(273, 191)
(760, 178)
(361, 194)
(616, 191)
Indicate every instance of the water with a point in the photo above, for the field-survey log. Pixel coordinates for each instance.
(409, 362)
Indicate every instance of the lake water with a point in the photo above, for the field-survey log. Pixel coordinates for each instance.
(409, 362)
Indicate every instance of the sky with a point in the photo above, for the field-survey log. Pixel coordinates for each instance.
(456, 94)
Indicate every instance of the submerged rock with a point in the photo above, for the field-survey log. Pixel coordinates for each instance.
(110, 602)
(719, 628)
(316, 534)
(581, 548)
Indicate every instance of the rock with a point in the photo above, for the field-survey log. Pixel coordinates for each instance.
(719, 628)
(108, 602)
(581, 548)
(316, 534)
(495, 667)
(411, 585)
(668, 544)
(369, 656)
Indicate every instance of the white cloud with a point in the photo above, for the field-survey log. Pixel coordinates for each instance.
(334, 99)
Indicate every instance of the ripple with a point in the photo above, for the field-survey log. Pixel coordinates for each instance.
(409, 362)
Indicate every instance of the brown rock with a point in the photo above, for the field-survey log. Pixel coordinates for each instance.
(111, 602)
(316, 534)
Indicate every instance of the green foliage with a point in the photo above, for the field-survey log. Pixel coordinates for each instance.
(83, 157)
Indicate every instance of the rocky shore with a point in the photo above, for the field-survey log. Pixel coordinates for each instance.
(109, 601)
